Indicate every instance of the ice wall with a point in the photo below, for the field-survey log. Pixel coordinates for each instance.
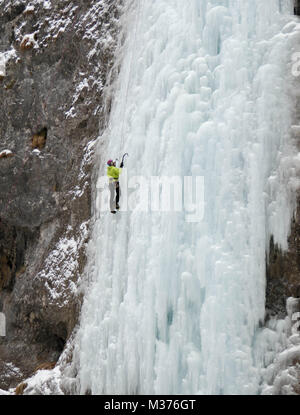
(173, 306)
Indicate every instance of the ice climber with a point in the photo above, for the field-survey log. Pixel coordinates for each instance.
(113, 174)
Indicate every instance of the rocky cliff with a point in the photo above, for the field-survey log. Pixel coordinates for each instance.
(54, 59)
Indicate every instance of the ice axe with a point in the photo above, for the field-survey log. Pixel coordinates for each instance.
(122, 162)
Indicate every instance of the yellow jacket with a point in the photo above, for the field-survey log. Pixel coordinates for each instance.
(113, 173)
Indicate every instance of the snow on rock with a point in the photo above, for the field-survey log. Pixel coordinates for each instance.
(4, 58)
(29, 9)
(60, 273)
(5, 153)
(10, 367)
(44, 382)
(83, 183)
(10, 370)
(58, 381)
(102, 41)
(46, 4)
(29, 41)
(88, 29)
(2, 65)
(82, 85)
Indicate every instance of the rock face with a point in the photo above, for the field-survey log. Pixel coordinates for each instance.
(54, 59)
(283, 272)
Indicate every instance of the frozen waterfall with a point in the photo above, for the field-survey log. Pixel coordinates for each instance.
(175, 306)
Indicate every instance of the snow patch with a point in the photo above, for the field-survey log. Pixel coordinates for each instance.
(28, 41)
(6, 153)
(79, 189)
(47, 4)
(10, 368)
(29, 9)
(44, 382)
(4, 58)
(57, 381)
(60, 274)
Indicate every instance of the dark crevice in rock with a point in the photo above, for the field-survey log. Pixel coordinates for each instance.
(39, 139)
(53, 338)
(60, 343)
(14, 11)
(297, 8)
(13, 242)
(83, 124)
